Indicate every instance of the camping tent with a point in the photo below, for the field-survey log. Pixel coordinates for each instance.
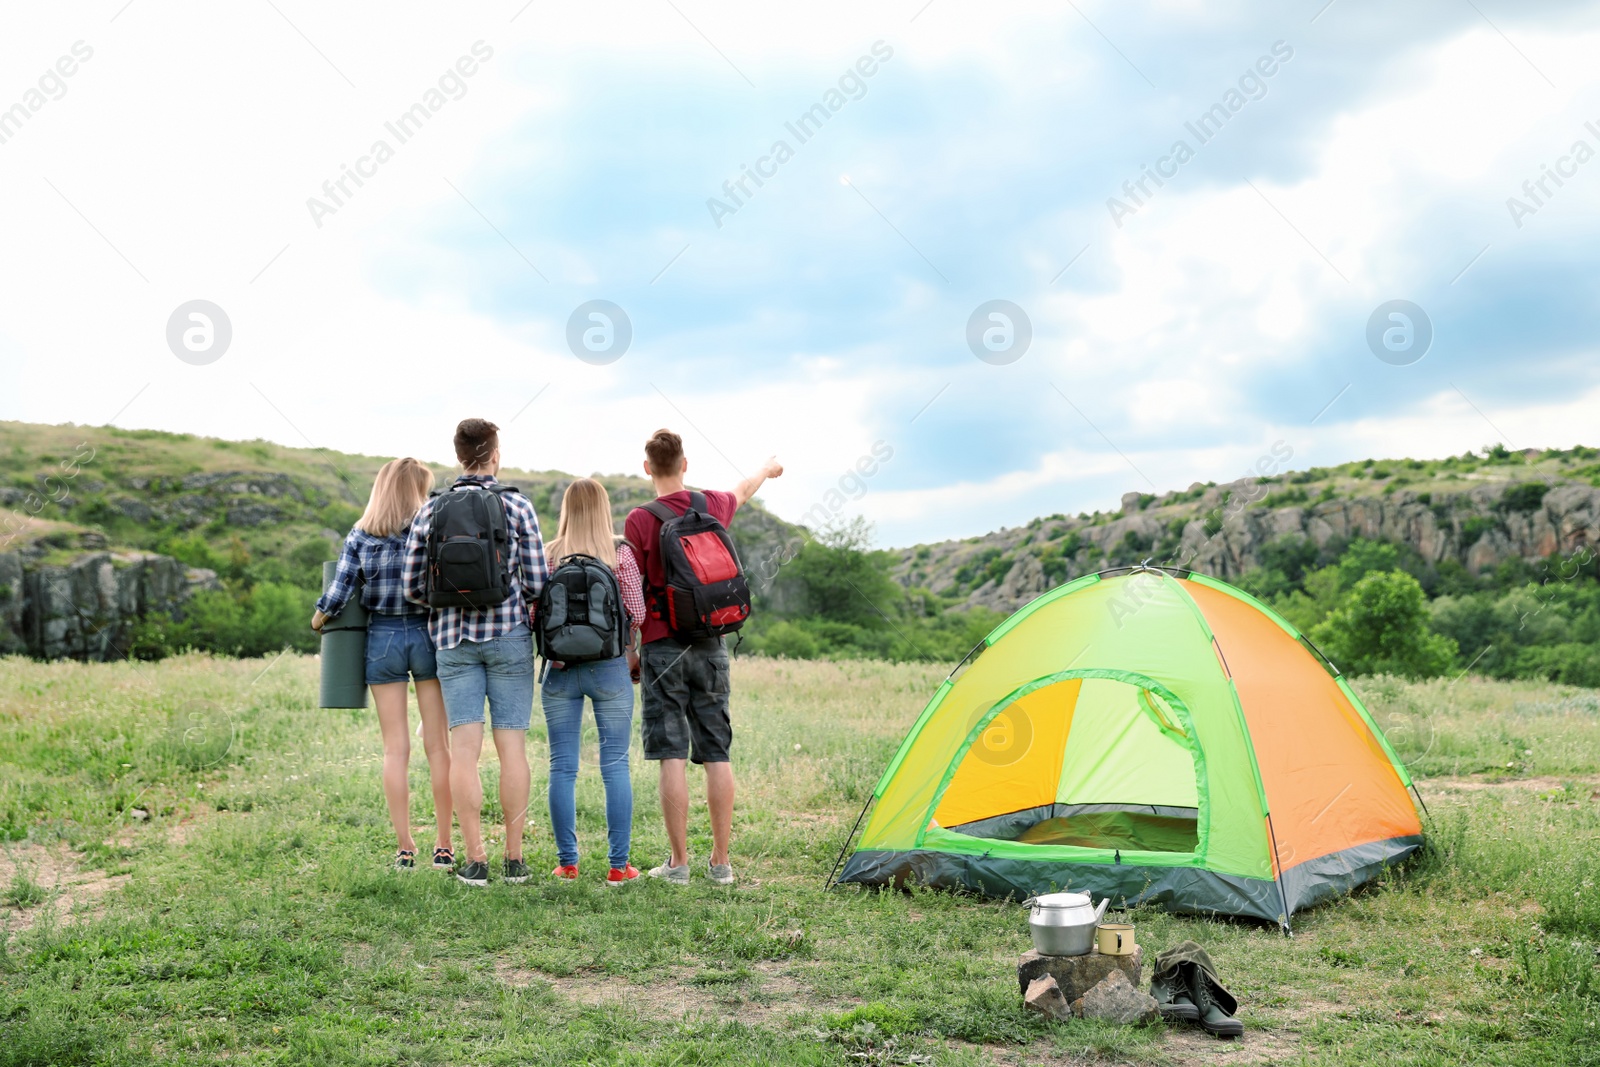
(1153, 735)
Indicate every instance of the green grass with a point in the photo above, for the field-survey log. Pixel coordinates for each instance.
(258, 924)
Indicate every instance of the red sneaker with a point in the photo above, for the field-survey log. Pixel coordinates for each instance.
(622, 877)
(569, 871)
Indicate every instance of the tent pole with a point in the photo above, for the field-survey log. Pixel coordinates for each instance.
(834, 870)
(1282, 896)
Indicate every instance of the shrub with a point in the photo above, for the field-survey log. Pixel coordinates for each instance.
(1525, 497)
(1382, 627)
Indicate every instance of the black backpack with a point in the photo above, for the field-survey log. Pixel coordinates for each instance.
(706, 594)
(469, 547)
(580, 617)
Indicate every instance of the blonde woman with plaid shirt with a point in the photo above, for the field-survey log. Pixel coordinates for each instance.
(399, 649)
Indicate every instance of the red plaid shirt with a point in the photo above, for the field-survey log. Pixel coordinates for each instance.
(632, 584)
(451, 626)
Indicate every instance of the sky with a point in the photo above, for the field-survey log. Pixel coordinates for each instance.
(514, 162)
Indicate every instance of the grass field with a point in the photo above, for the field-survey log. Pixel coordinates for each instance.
(193, 870)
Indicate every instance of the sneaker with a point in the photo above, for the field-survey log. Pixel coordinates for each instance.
(627, 873)
(670, 874)
(444, 858)
(720, 873)
(474, 872)
(405, 860)
(567, 871)
(514, 871)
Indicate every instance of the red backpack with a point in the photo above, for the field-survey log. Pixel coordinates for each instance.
(706, 594)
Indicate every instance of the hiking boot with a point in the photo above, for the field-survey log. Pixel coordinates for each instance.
(1212, 1017)
(514, 871)
(1174, 1004)
(720, 873)
(670, 874)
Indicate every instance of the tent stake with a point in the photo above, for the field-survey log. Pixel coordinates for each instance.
(1276, 862)
(1418, 795)
(834, 870)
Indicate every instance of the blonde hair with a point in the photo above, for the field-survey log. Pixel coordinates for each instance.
(400, 489)
(585, 527)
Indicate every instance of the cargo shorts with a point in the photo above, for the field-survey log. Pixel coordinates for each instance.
(684, 688)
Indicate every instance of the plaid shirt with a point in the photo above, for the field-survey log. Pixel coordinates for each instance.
(631, 583)
(377, 561)
(451, 626)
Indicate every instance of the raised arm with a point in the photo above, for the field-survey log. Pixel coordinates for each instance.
(748, 488)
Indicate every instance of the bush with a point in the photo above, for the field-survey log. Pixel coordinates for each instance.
(1382, 627)
(787, 639)
(267, 619)
(1525, 497)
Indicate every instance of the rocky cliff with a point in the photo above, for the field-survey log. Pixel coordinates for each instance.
(57, 602)
(1228, 530)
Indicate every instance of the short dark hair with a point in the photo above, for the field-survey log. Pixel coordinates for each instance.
(664, 450)
(476, 440)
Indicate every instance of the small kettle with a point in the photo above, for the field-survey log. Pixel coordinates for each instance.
(1063, 924)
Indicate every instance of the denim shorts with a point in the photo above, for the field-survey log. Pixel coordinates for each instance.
(684, 690)
(399, 649)
(499, 670)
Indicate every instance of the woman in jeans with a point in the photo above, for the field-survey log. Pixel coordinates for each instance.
(398, 649)
(585, 529)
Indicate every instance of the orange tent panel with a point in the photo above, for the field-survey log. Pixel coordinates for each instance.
(1329, 783)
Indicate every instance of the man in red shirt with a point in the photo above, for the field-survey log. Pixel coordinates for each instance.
(684, 684)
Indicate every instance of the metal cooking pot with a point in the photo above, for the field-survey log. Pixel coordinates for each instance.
(1063, 924)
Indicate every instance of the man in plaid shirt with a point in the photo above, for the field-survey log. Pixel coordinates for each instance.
(486, 653)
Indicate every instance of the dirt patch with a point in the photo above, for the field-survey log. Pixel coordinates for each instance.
(1477, 783)
(67, 888)
(769, 994)
(1191, 1045)
(70, 889)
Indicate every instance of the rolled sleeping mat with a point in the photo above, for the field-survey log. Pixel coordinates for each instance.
(344, 650)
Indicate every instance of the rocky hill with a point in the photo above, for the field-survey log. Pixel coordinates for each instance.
(1474, 512)
(100, 526)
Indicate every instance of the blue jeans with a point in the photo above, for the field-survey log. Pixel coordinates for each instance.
(500, 669)
(608, 685)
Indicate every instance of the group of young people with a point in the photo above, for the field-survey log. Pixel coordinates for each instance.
(462, 648)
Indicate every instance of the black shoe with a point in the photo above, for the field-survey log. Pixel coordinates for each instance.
(444, 858)
(474, 872)
(514, 871)
(1213, 1019)
(1180, 1008)
(1171, 990)
(405, 860)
